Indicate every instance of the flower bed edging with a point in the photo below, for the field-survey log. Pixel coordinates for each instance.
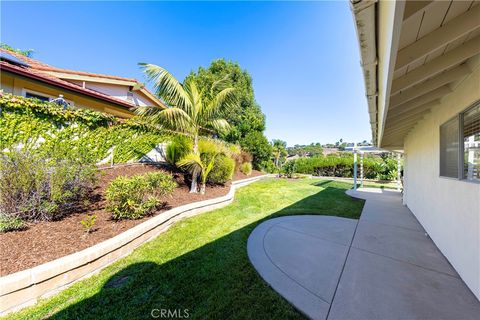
(24, 288)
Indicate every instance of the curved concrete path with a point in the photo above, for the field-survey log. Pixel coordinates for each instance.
(379, 267)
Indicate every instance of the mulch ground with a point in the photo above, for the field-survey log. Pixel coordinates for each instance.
(48, 240)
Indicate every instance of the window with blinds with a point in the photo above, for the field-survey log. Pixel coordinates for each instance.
(460, 145)
(449, 142)
(471, 143)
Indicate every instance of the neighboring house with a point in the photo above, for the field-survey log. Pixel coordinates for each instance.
(327, 151)
(31, 78)
(421, 64)
(294, 157)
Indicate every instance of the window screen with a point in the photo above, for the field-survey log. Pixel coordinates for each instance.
(471, 143)
(36, 96)
(449, 148)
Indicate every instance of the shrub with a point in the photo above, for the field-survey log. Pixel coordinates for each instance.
(178, 148)
(258, 146)
(222, 170)
(342, 166)
(241, 157)
(11, 224)
(246, 168)
(135, 197)
(37, 186)
(88, 222)
(289, 168)
(268, 166)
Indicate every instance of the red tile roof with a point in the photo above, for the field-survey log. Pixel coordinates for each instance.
(38, 65)
(39, 70)
(44, 77)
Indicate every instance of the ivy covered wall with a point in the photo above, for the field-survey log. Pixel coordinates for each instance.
(48, 128)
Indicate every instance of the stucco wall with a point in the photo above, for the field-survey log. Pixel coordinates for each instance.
(17, 85)
(448, 209)
(120, 92)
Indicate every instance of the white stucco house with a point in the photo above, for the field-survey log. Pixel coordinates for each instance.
(421, 65)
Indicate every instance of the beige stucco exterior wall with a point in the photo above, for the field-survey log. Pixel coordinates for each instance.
(17, 86)
(448, 209)
(118, 91)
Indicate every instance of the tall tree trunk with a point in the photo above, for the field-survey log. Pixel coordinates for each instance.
(203, 187)
(194, 186)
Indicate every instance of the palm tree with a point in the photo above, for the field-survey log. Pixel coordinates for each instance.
(279, 150)
(202, 162)
(188, 112)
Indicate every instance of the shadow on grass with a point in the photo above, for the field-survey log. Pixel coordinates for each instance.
(214, 281)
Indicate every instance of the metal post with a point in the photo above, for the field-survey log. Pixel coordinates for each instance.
(355, 170)
(399, 174)
(361, 170)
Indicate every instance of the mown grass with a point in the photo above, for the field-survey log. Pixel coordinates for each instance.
(201, 263)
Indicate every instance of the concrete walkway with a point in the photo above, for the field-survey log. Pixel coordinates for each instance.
(382, 266)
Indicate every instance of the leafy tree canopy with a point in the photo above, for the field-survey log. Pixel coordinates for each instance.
(245, 117)
(311, 150)
(258, 146)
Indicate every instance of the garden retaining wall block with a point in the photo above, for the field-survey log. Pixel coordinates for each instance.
(24, 288)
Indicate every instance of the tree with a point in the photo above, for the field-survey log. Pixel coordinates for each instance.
(188, 112)
(311, 150)
(247, 116)
(258, 146)
(201, 162)
(279, 151)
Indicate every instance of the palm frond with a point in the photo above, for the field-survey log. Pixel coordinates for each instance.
(225, 99)
(220, 125)
(176, 119)
(192, 163)
(195, 98)
(166, 86)
(221, 84)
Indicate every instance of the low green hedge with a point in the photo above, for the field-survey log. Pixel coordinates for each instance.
(334, 166)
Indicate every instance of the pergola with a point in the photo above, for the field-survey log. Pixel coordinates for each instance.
(361, 150)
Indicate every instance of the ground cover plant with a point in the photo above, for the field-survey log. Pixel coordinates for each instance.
(201, 263)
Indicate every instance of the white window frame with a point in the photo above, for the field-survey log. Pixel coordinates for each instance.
(50, 97)
(461, 146)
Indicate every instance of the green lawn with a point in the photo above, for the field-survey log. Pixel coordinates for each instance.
(201, 263)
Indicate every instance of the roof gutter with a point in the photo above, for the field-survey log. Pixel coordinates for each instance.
(6, 67)
(378, 25)
(364, 13)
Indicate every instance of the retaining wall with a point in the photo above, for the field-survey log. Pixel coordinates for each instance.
(24, 288)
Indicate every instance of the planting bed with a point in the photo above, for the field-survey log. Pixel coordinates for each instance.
(48, 240)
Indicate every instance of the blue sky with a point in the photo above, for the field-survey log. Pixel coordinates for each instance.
(303, 56)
